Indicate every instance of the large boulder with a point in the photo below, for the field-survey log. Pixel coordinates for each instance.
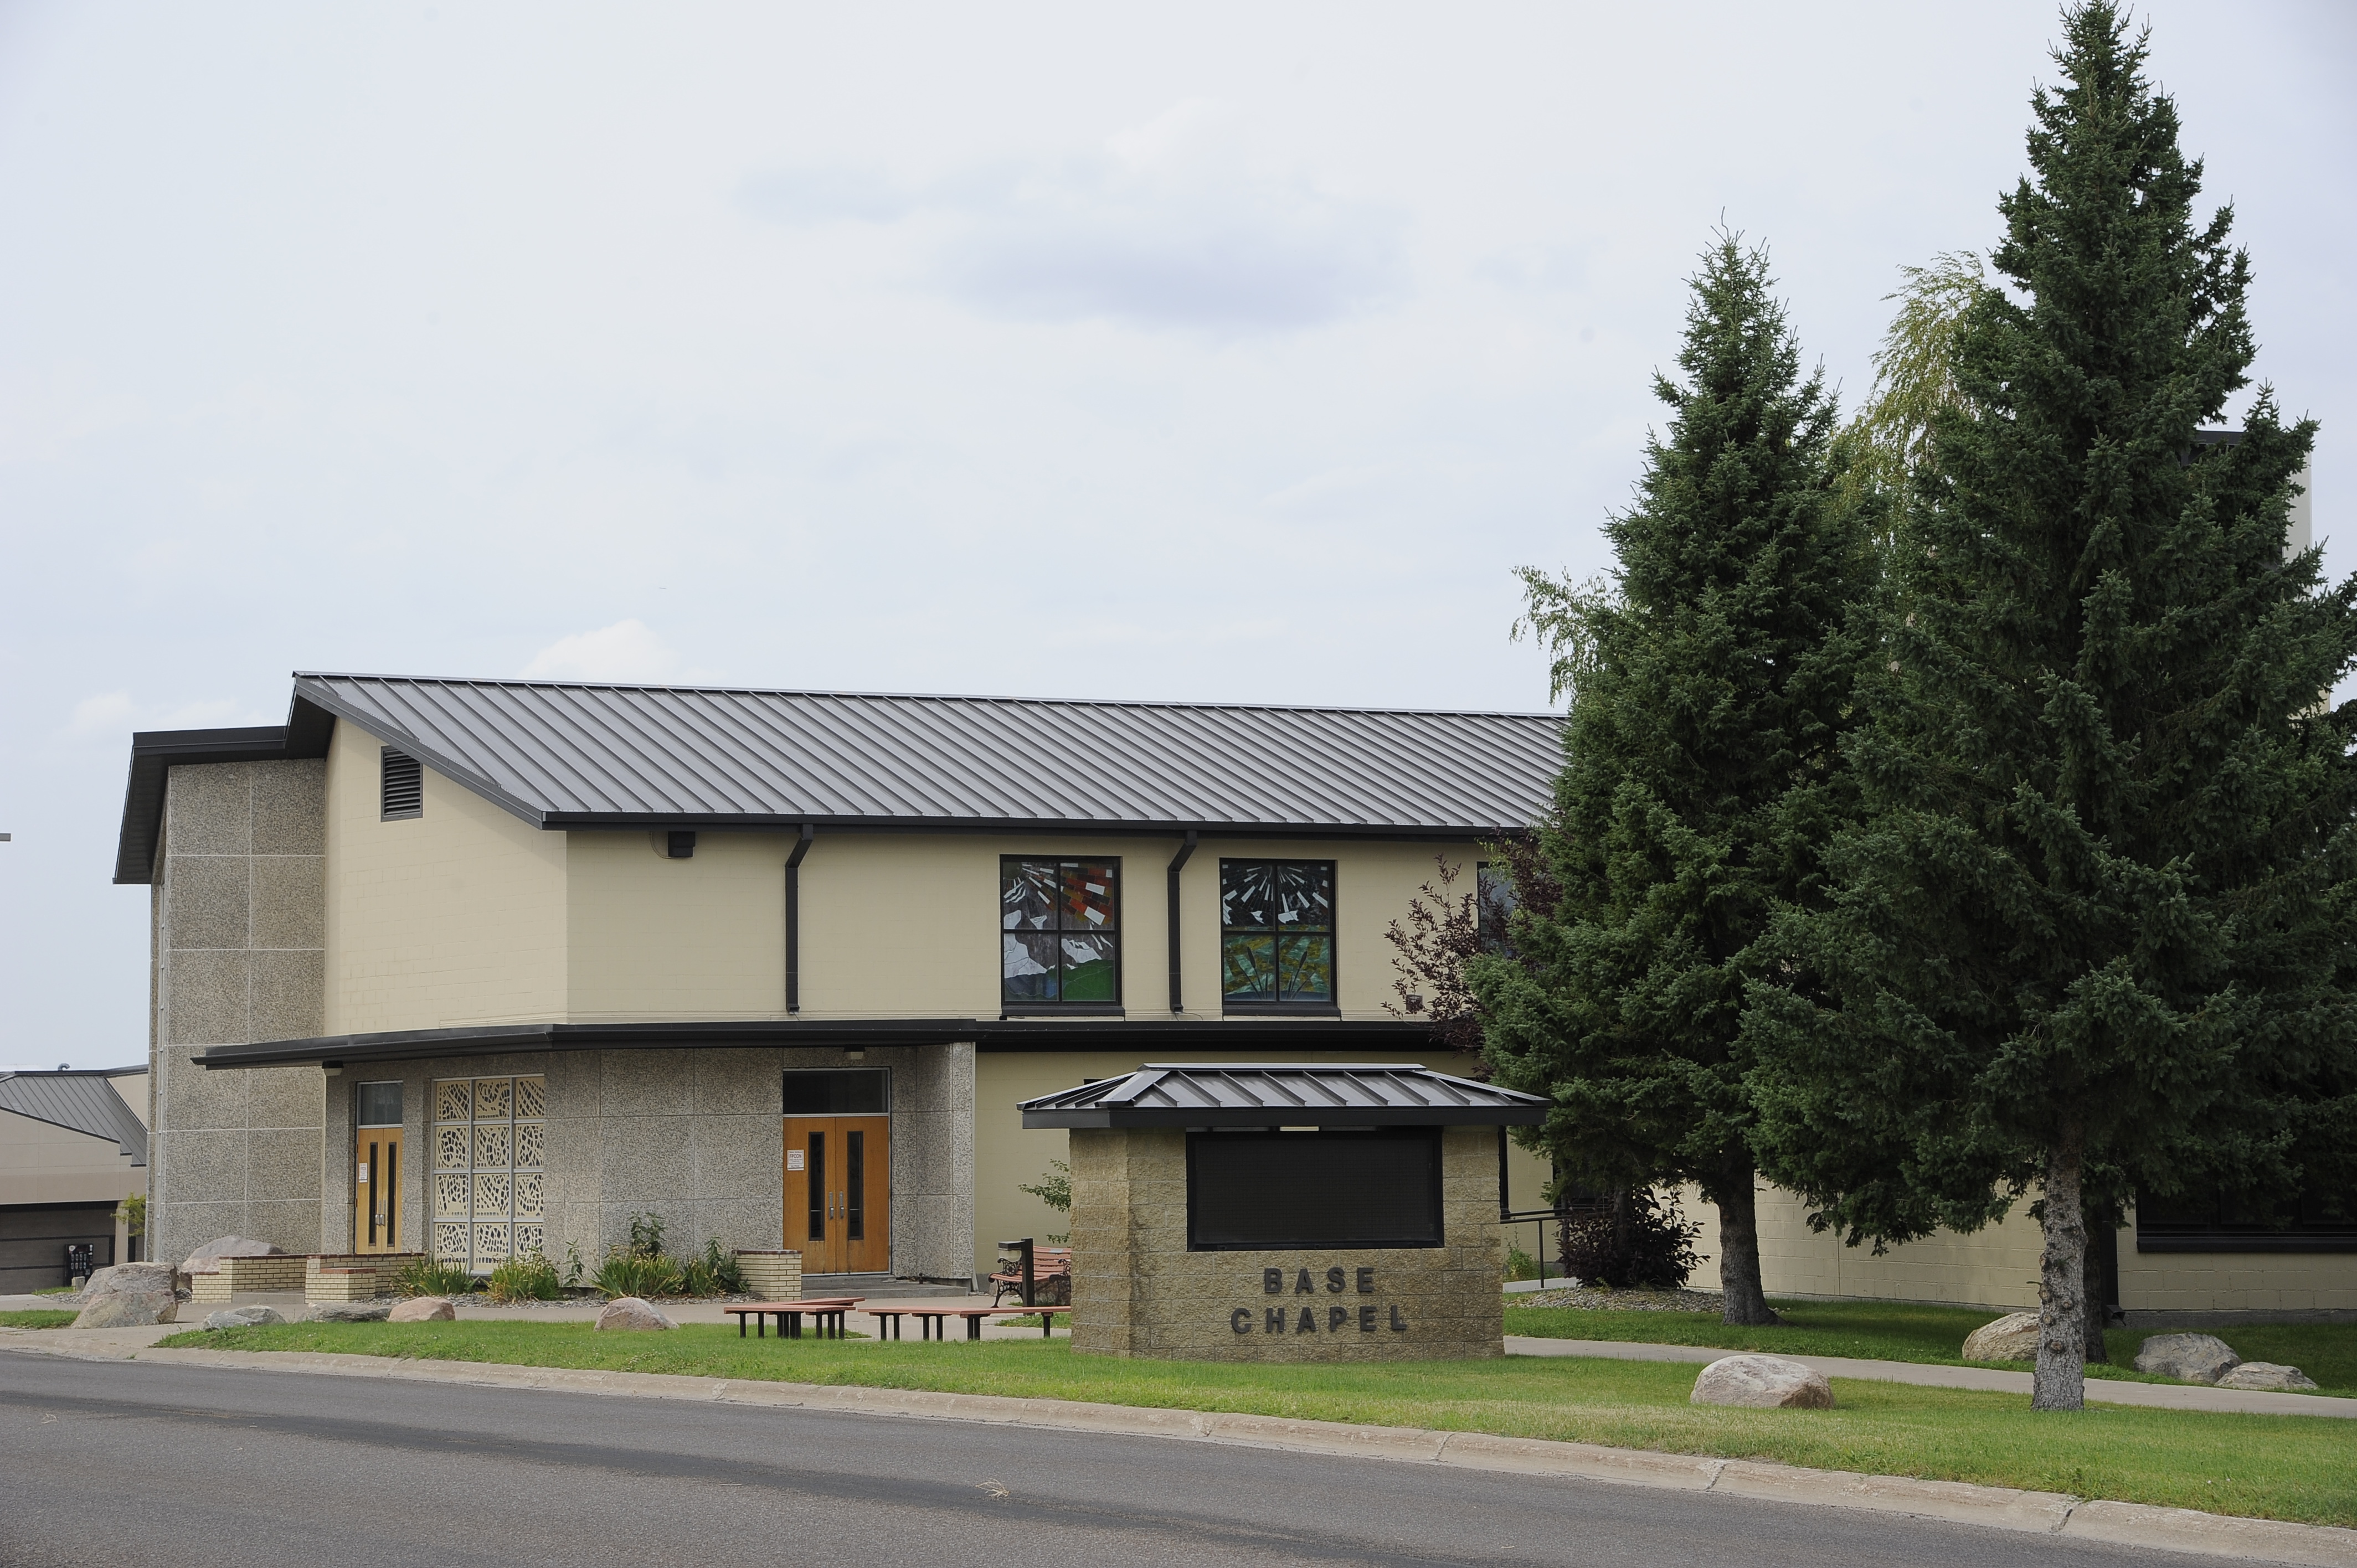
(129, 1295)
(348, 1312)
(242, 1317)
(2013, 1338)
(424, 1309)
(2268, 1377)
(630, 1312)
(1763, 1382)
(2196, 1357)
(206, 1259)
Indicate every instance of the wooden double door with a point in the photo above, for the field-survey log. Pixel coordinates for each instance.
(376, 1190)
(839, 1193)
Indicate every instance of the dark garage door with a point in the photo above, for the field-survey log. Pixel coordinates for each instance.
(34, 1236)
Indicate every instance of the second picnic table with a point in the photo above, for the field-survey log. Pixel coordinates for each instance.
(932, 1321)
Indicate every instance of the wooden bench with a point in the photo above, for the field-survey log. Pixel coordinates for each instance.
(1047, 1263)
(933, 1322)
(826, 1314)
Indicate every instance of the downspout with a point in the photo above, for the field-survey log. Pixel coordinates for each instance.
(1177, 865)
(794, 919)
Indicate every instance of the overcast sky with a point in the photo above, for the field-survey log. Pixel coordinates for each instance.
(1234, 353)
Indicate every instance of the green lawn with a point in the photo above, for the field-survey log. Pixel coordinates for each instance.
(36, 1318)
(1898, 1331)
(2292, 1467)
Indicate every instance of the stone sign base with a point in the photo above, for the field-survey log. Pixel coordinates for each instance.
(1138, 1290)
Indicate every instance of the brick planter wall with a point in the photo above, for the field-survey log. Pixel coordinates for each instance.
(773, 1276)
(352, 1276)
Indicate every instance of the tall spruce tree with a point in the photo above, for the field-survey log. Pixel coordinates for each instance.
(1709, 685)
(2090, 938)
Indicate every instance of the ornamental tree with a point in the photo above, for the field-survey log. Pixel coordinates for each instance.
(2090, 939)
(1709, 684)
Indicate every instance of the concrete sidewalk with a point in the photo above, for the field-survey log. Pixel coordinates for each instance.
(1996, 1380)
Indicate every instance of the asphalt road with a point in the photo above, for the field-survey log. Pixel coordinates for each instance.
(119, 1463)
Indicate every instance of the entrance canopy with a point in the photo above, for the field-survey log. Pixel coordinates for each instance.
(1285, 1094)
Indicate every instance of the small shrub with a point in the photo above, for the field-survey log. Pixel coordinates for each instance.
(573, 1265)
(432, 1276)
(528, 1278)
(646, 1235)
(1055, 1190)
(1520, 1265)
(1633, 1238)
(627, 1274)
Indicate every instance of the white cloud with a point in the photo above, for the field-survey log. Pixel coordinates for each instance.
(115, 715)
(626, 651)
(1182, 222)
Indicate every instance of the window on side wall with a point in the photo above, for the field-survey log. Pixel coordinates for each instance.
(1276, 935)
(1493, 906)
(1059, 936)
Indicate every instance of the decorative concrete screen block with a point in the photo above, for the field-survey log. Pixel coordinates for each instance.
(773, 1276)
(1285, 1213)
(490, 1156)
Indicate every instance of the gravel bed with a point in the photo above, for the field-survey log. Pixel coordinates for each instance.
(1602, 1300)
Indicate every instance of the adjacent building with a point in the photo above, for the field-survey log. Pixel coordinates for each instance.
(73, 1145)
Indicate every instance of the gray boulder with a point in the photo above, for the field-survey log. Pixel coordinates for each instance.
(1763, 1382)
(2013, 1338)
(424, 1309)
(2196, 1357)
(242, 1317)
(206, 1259)
(630, 1312)
(348, 1312)
(129, 1295)
(2268, 1377)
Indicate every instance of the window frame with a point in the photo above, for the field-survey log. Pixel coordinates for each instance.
(1059, 1007)
(1277, 1007)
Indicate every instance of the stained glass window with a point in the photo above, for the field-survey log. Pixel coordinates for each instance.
(1059, 930)
(1276, 931)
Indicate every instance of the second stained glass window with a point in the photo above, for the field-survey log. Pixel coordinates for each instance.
(1060, 937)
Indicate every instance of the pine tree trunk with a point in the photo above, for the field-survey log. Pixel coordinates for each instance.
(2061, 1379)
(1739, 1249)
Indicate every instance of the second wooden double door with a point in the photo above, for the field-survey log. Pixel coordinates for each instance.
(839, 1193)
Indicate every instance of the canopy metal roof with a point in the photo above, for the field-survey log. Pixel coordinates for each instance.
(80, 1102)
(1279, 1094)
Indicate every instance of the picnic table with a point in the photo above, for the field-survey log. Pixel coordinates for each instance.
(826, 1314)
(932, 1321)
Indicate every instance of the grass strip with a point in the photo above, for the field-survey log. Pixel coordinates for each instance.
(2302, 1468)
(1930, 1335)
(36, 1318)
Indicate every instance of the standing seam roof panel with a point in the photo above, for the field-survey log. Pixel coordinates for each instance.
(586, 750)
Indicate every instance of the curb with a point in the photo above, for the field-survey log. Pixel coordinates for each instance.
(2139, 1525)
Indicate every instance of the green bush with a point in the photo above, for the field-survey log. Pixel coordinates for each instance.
(627, 1274)
(1520, 1265)
(714, 1273)
(432, 1276)
(528, 1278)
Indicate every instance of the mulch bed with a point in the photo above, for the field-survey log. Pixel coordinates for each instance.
(1601, 1299)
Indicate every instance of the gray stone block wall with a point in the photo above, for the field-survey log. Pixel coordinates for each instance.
(696, 1137)
(239, 918)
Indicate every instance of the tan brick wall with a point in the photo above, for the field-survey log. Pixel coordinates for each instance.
(238, 1276)
(773, 1276)
(1137, 1290)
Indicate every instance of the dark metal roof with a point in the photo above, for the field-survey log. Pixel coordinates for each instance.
(1266, 1094)
(987, 1034)
(155, 752)
(562, 755)
(80, 1102)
